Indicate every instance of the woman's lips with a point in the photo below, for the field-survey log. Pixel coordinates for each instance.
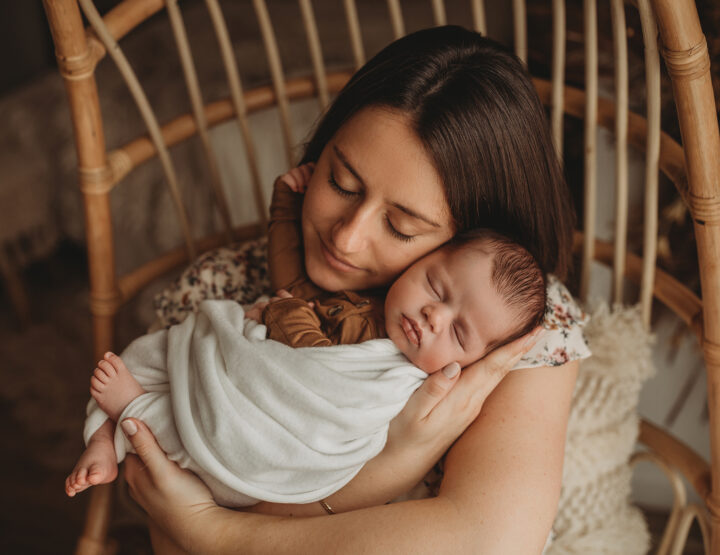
(412, 330)
(335, 262)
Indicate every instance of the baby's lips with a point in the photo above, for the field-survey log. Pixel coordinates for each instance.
(410, 331)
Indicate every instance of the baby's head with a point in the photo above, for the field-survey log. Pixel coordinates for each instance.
(477, 292)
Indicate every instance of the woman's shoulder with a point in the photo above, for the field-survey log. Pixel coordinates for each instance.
(563, 339)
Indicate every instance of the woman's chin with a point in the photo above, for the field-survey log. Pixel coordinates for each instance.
(329, 279)
(326, 279)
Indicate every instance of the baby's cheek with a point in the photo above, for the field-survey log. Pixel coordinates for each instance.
(431, 361)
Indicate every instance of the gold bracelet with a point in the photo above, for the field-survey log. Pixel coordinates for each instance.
(328, 508)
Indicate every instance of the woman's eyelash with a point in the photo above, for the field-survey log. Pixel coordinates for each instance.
(345, 193)
(395, 233)
(338, 189)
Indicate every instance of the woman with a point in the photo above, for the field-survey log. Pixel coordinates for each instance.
(440, 132)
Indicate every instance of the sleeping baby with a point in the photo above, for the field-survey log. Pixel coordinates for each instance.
(287, 401)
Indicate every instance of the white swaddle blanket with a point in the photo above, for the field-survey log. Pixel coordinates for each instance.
(256, 419)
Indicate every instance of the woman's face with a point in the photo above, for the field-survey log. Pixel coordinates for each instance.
(374, 204)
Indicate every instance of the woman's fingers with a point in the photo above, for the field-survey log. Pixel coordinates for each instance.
(481, 377)
(306, 170)
(146, 447)
(433, 390)
(291, 181)
(297, 178)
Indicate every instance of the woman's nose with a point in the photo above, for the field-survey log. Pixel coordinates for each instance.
(350, 234)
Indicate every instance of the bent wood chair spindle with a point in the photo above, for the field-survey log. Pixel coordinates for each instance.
(690, 166)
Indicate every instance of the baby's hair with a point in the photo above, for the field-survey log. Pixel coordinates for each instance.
(516, 276)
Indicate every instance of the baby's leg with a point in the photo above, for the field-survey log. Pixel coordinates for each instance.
(97, 465)
(113, 386)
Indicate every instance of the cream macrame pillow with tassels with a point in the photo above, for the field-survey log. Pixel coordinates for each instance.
(595, 514)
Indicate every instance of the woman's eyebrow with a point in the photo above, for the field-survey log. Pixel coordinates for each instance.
(411, 212)
(348, 165)
(402, 208)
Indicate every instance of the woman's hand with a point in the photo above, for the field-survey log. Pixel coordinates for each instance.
(297, 178)
(435, 416)
(175, 499)
(450, 400)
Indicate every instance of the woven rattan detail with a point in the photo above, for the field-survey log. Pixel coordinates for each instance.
(687, 64)
(712, 353)
(713, 508)
(704, 210)
(697, 323)
(76, 68)
(96, 181)
(120, 164)
(105, 305)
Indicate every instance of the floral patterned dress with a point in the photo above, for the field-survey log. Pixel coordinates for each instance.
(239, 272)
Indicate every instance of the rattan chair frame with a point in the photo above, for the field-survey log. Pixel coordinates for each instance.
(695, 173)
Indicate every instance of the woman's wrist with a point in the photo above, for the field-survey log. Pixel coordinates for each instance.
(205, 529)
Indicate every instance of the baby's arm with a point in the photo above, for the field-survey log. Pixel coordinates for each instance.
(285, 247)
(293, 322)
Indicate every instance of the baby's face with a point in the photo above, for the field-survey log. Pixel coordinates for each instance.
(444, 308)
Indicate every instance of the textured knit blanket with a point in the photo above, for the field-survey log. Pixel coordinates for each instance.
(256, 419)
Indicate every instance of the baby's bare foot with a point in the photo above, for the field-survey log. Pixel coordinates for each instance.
(97, 465)
(113, 386)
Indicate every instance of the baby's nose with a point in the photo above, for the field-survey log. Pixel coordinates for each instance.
(436, 316)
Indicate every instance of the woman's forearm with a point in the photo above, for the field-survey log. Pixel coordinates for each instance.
(499, 494)
(393, 472)
(424, 526)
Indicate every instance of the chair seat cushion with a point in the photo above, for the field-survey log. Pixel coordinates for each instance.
(594, 513)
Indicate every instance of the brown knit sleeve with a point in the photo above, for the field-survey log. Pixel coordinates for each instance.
(285, 254)
(292, 322)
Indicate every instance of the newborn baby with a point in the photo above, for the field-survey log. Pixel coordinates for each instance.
(454, 305)
(228, 398)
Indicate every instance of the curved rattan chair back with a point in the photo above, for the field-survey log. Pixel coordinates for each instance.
(694, 171)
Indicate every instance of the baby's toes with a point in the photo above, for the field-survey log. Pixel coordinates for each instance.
(115, 361)
(100, 375)
(108, 368)
(96, 385)
(80, 477)
(69, 489)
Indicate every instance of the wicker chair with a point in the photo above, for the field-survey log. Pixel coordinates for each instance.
(695, 173)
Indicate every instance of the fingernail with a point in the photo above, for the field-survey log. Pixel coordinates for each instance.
(451, 370)
(129, 427)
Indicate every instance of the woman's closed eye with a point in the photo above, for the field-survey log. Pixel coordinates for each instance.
(395, 232)
(347, 193)
(340, 190)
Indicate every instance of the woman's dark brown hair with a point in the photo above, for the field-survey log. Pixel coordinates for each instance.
(474, 108)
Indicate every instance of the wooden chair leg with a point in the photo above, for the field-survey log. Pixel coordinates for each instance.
(94, 537)
(15, 288)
